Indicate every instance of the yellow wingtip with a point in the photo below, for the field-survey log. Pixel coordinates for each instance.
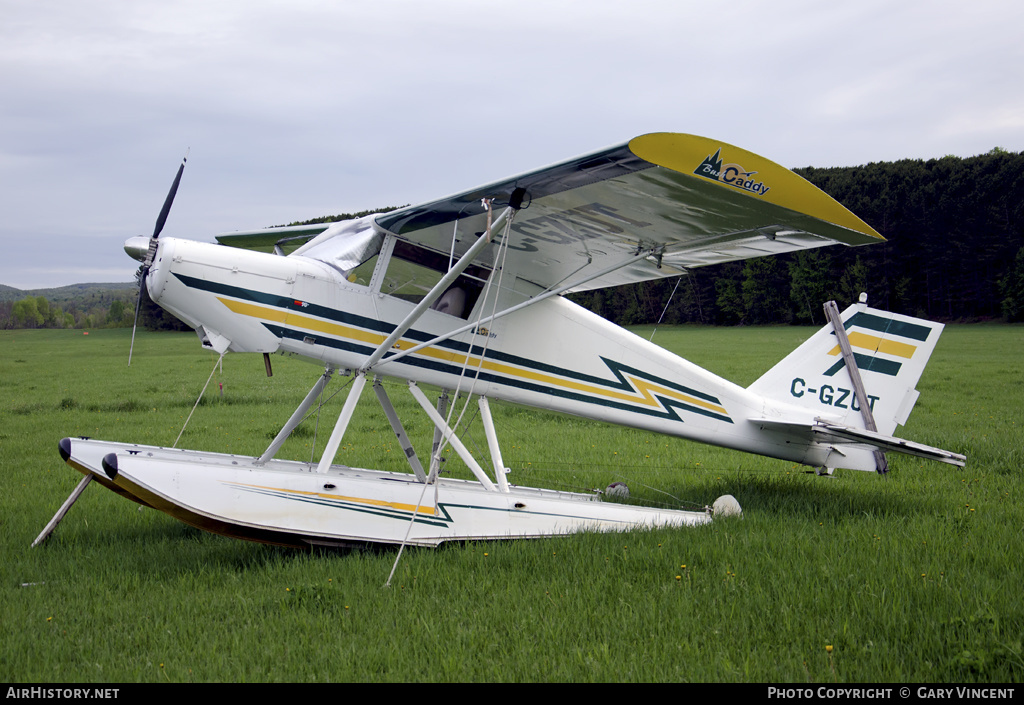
(738, 169)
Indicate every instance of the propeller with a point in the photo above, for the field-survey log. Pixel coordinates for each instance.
(151, 252)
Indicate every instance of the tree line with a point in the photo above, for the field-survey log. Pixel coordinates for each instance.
(95, 308)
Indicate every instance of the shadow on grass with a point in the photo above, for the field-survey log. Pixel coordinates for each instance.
(165, 546)
(810, 497)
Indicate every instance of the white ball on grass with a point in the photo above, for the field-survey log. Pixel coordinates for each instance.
(726, 506)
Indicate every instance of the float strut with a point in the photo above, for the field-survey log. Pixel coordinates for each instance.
(343, 418)
(296, 417)
(492, 444)
(400, 434)
(449, 434)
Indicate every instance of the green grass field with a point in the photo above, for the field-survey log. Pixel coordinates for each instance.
(911, 577)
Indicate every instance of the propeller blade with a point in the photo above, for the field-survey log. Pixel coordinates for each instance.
(162, 218)
(151, 254)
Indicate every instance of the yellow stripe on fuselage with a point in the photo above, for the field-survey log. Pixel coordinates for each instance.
(289, 317)
(645, 389)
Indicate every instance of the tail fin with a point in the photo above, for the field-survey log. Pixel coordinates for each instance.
(891, 352)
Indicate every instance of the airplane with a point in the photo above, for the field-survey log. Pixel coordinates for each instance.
(466, 293)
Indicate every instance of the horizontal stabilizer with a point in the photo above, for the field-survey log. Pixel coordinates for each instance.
(826, 432)
(288, 238)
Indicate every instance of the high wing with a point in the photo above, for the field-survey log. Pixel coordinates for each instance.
(656, 205)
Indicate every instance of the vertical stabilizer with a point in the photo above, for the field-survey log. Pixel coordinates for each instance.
(891, 352)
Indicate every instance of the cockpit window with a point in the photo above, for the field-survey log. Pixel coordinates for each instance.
(413, 271)
(353, 249)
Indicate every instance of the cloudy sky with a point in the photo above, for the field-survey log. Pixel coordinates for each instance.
(297, 109)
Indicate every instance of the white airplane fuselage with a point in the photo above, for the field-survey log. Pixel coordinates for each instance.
(553, 354)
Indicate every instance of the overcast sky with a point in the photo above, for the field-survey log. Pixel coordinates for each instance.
(304, 108)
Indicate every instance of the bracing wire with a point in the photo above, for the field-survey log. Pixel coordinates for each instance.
(214, 370)
(500, 260)
(665, 310)
(503, 250)
(320, 405)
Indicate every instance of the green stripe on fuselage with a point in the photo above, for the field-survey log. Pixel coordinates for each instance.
(620, 383)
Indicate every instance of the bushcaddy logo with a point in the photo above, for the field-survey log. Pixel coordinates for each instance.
(730, 174)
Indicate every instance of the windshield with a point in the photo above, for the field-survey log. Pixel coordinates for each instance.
(344, 246)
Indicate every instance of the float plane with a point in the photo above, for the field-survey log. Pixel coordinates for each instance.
(466, 293)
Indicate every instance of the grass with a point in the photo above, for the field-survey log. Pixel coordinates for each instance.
(912, 577)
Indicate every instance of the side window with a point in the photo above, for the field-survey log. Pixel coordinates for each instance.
(362, 273)
(413, 271)
(409, 280)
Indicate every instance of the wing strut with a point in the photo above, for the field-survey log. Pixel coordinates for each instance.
(832, 314)
(529, 302)
(439, 288)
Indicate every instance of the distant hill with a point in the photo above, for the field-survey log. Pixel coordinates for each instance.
(62, 294)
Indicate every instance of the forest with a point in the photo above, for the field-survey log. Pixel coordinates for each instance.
(77, 306)
(953, 252)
